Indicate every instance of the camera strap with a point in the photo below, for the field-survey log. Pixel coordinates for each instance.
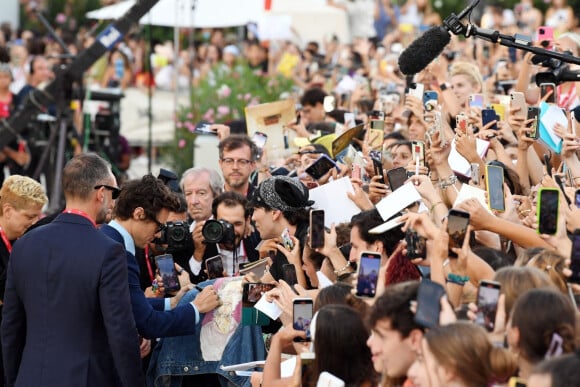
(6, 240)
(148, 261)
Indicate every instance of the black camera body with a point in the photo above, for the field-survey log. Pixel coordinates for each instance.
(218, 231)
(175, 235)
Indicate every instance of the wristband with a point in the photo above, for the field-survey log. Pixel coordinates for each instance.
(433, 207)
(457, 279)
(337, 272)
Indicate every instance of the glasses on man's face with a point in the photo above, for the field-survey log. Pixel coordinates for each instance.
(115, 192)
(160, 226)
(241, 162)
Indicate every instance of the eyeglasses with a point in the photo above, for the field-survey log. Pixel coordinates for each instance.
(160, 226)
(241, 162)
(115, 192)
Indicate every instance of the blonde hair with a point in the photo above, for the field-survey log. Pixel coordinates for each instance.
(470, 71)
(21, 192)
(552, 264)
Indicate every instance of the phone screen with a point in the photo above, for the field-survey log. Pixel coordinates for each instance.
(416, 244)
(575, 258)
(253, 292)
(487, 298)
(259, 139)
(548, 211)
(316, 228)
(289, 274)
(167, 272)
(368, 274)
(495, 188)
(396, 177)
(545, 88)
(429, 303)
(320, 167)
(577, 198)
(456, 228)
(302, 316)
(215, 267)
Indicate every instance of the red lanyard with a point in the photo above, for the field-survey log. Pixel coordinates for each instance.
(81, 213)
(149, 269)
(6, 240)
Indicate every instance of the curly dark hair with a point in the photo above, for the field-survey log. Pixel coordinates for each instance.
(149, 193)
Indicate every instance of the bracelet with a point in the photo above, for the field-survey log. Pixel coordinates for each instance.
(455, 283)
(433, 207)
(457, 279)
(444, 183)
(337, 272)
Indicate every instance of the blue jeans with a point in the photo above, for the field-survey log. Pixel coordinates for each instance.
(176, 357)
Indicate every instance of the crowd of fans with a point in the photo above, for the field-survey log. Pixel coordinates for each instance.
(425, 316)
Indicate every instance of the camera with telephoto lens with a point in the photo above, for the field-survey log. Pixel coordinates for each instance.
(174, 235)
(218, 231)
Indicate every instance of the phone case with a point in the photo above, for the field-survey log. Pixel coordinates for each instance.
(544, 88)
(575, 258)
(519, 100)
(476, 100)
(494, 201)
(488, 115)
(456, 236)
(533, 112)
(548, 217)
(396, 177)
(368, 274)
(461, 123)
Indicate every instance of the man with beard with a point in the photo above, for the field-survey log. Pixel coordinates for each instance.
(230, 207)
(238, 155)
(67, 312)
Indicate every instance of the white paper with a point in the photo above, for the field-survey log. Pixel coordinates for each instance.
(459, 164)
(332, 198)
(402, 198)
(270, 309)
(287, 367)
(554, 115)
(323, 281)
(391, 224)
(470, 192)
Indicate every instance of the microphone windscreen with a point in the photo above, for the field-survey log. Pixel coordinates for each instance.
(423, 50)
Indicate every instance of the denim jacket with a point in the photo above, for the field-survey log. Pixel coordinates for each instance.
(175, 357)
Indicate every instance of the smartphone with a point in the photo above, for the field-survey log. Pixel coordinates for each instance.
(428, 303)
(430, 100)
(487, 298)
(368, 274)
(499, 108)
(419, 152)
(377, 118)
(260, 139)
(329, 380)
(533, 113)
(329, 103)
(289, 274)
(317, 232)
(168, 273)
(457, 222)
(494, 184)
(320, 167)
(487, 116)
(214, 267)
(204, 127)
(378, 168)
(287, 240)
(417, 91)
(302, 317)
(547, 212)
(577, 198)
(575, 258)
(461, 123)
(518, 100)
(396, 177)
(356, 172)
(475, 173)
(416, 244)
(545, 35)
(516, 382)
(476, 100)
(545, 88)
(253, 292)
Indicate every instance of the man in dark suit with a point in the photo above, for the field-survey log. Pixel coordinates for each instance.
(140, 213)
(67, 319)
(230, 207)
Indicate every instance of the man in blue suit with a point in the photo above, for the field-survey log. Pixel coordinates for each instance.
(67, 319)
(140, 212)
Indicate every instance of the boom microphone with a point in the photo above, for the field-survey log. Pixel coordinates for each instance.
(423, 50)
(430, 45)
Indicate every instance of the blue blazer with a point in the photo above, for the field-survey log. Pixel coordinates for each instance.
(152, 321)
(67, 318)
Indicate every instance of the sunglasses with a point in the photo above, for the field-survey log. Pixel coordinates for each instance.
(115, 192)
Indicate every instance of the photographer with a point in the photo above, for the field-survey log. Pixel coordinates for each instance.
(223, 235)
